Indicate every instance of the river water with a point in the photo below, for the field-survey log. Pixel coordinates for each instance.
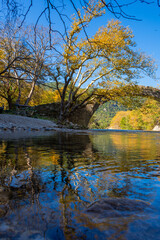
(47, 183)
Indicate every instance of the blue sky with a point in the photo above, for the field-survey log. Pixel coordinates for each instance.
(146, 31)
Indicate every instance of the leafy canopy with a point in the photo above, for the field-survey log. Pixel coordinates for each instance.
(91, 66)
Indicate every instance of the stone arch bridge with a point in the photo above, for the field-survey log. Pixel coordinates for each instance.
(82, 116)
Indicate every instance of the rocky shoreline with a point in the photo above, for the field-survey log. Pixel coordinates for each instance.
(16, 126)
(14, 122)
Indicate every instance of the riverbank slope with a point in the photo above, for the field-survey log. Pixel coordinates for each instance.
(14, 122)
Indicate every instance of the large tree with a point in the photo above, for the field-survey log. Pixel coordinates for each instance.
(24, 63)
(86, 66)
(91, 64)
(15, 54)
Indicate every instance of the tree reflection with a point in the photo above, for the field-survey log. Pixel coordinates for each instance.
(46, 183)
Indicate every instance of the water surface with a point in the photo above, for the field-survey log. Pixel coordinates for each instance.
(46, 183)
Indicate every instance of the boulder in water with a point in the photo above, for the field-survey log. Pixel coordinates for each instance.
(116, 207)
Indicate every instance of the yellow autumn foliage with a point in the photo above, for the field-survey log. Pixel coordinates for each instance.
(144, 118)
(1, 60)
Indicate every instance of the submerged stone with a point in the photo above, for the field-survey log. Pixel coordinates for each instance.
(2, 211)
(116, 207)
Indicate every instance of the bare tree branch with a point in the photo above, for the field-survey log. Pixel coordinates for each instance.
(25, 15)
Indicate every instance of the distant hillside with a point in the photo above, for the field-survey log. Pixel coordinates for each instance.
(103, 116)
(144, 118)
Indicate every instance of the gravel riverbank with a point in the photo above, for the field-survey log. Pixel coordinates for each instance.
(14, 122)
(15, 126)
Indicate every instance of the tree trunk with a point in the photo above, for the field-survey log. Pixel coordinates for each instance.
(10, 102)
(19, 92)
(62, 106)
(31, 92)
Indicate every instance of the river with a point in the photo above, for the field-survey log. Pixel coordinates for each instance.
(47, 183)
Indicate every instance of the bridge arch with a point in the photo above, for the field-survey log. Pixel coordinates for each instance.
(83, 115)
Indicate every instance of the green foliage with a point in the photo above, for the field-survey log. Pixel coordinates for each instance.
(124, 123)
(143, 118)
(103, 116)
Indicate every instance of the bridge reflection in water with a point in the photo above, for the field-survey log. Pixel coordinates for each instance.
(46, 184)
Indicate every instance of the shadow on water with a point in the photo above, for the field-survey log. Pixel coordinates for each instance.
(47, 183)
